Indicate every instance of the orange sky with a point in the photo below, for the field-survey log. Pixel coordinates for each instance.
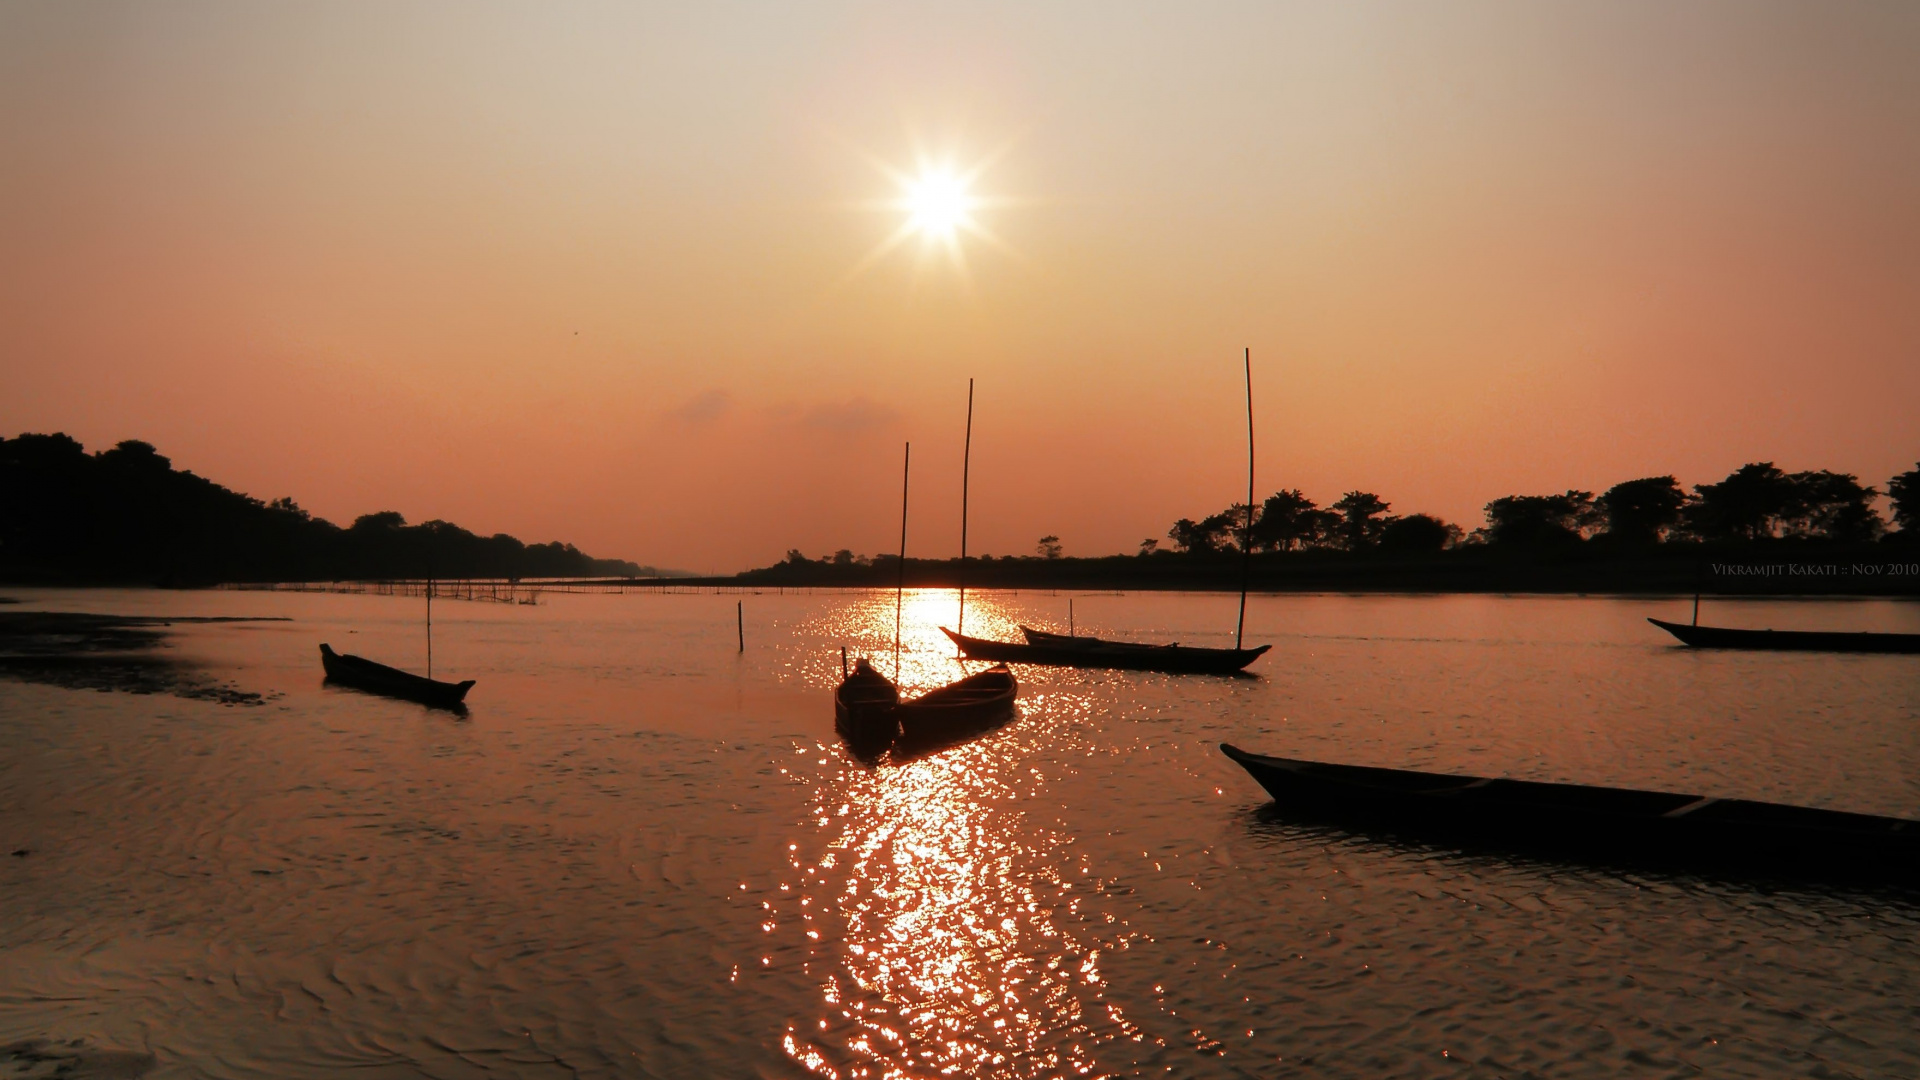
(593, 272)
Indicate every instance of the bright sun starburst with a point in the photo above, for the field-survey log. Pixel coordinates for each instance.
(936, 202)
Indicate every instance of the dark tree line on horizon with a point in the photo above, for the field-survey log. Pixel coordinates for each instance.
(1755, 502)
(126, 515)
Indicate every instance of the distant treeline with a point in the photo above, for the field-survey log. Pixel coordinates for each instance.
(126, 515)
(1759, 530)
(1755, 502)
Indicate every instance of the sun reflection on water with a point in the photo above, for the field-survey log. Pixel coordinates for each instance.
(948, 925)
(926, 659)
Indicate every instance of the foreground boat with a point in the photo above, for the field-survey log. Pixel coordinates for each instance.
(1681, 831)
(363, 674)
(869, 714)
(1058, 650)
(1721, 637)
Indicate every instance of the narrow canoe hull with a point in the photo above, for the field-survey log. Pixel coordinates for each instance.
(363, 674)
(1094, 653)
(1721, 637)
(1688, 832)
(870, 716)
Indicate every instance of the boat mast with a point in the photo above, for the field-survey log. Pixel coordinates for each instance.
(429, 627)
(900, 584)
(1246, 532)
(966, 463)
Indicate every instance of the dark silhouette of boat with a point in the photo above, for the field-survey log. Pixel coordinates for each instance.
(869, 714)
(1059, 650)
(363, 674)
(1688, 832)
(1722, 637)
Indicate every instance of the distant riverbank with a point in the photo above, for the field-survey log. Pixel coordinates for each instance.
(1777, 568)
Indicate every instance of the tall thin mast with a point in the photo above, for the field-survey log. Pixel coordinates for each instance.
(1246, 532)
(900, 584)
(966, 463)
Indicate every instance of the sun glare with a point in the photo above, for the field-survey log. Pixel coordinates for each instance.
(937, 204)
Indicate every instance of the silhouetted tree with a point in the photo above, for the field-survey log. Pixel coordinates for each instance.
(1905, 492)
(1148, 546)
(1362, 519)
(126, 515)
(1049, 547)
(1213, 533)
(1833, 506)
(1750, 504)
(1289, 521)
(844, 557)
(1418, 534)
(1541, 520)
(1642, 511)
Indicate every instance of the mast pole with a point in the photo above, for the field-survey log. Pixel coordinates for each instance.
(1246, 532)
(429, 627)
(900, 583)
(966, 464)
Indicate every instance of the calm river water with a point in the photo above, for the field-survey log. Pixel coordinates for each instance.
(643, 853)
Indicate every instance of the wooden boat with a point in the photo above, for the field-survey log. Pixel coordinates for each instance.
(1060, 651)
(1721, 637)
(1682, 831)
(863, 707)
(869, 714)
(1078, 641)
(362, 674)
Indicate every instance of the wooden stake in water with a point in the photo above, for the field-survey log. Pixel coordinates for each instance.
(900, 584)
(1246, 533)
(966, 462)
(740, 622)
(429, 628)
(1069, 616)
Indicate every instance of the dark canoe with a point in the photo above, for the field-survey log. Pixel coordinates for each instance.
(362, 674)
(863, 707)
(1721, 637)
(869, 714)
(1688, 832)
(956, 712)
(1075, 641)
(1094, 653)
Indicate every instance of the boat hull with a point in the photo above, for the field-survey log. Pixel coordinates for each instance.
(374, 678)
(1721, 637)
(1687, 832)
(1172, 659)
(869, 715)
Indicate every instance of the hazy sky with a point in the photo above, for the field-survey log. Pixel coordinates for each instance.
(606, 273)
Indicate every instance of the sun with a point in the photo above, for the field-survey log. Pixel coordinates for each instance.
(938, 204)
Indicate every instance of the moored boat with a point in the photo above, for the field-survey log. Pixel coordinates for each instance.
(374, 678)
(1058, 650)
(1679, 830)
(863, 707)
(869, 714)
(1723, 637)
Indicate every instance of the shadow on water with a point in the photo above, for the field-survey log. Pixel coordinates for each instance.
(108, 653)
(32, 1058)
(870, 747)
(457, 709)
(1440, 842)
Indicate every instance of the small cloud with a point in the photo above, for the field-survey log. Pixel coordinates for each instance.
(854, 414)
(703, 408)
